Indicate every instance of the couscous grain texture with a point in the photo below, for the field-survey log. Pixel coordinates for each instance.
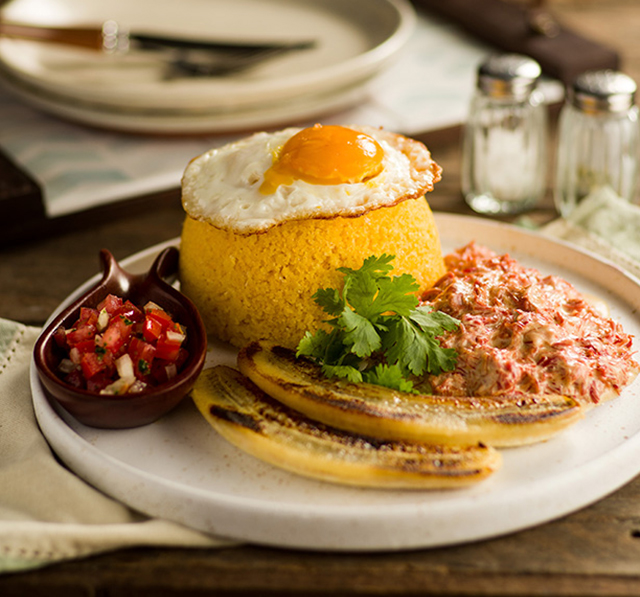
(260, 286)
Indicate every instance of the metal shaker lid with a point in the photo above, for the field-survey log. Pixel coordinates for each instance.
(508, 76)
(603, 91)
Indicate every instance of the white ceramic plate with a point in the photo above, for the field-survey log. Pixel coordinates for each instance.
(179, 469)
(354, 39)
(278, 114)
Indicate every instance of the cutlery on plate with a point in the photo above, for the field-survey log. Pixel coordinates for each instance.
(198, 63)
(191, 56)
(111, 37)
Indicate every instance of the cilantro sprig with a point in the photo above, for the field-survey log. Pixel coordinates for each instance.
(379, 332)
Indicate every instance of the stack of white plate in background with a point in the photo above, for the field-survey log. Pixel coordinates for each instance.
(354, 40)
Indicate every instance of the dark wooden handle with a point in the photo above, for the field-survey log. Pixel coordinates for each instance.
(85, 37)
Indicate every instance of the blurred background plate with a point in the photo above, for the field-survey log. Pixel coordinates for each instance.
(158, 121)
(354, 40)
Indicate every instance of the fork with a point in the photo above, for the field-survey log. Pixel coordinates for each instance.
(192, 63)
(187, 56)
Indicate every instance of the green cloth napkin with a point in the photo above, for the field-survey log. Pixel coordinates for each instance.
(48, 514)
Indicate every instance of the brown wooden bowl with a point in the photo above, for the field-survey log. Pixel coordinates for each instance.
(133, 409)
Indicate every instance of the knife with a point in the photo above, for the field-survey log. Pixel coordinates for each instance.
(112, 38)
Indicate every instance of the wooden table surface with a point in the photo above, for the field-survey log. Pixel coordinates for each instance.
(595, 551)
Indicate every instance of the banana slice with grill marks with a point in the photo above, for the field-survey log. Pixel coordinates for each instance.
(381, 412)
(266, 429)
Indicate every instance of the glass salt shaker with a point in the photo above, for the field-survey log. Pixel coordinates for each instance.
(504, 161)
(597, 139)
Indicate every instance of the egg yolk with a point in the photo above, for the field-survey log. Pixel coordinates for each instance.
(325, 155)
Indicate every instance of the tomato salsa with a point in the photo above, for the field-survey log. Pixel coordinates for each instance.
(119, 348)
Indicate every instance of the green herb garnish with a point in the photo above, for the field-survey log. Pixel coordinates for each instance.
(379, 333)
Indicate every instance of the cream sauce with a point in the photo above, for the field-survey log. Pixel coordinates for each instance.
(524, 332)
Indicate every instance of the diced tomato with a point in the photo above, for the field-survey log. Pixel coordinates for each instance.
(162, 317)
(151, 329)
(109, 361)
(116, 327)
(111, 304)
(142, 354)
(91, 364)
(163, 370)
(80, 334)
(167, 351)
(116, 335)
(159, 371)
(60, 337)
(183, 355)
(86, 345)
(88, 316)
(129, 311)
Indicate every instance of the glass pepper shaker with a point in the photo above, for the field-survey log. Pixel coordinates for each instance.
(597, 139)
(505, 140)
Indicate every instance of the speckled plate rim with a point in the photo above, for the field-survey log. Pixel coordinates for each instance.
(178, 469)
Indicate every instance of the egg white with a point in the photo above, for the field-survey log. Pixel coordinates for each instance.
(222, 185)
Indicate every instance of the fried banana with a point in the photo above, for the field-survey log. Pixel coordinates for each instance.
(243, 414)
(380, 412)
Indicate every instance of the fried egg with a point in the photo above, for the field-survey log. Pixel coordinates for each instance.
(318, 172)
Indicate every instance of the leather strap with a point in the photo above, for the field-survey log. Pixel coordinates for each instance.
(531, 30)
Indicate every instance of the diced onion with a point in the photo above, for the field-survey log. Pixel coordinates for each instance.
(124, 365)
(93, 344)
(171, 370)
(75, 356)
(151, 306)
(137, 386)
(175, 337)
(120, 386)
(66, 366)
(103, 320)
(127, 380)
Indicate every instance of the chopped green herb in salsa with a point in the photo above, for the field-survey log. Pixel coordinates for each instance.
(119, 348)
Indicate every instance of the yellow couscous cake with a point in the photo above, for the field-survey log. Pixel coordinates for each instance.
(268, 224)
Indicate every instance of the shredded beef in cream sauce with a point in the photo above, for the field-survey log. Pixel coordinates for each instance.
(525, 332)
